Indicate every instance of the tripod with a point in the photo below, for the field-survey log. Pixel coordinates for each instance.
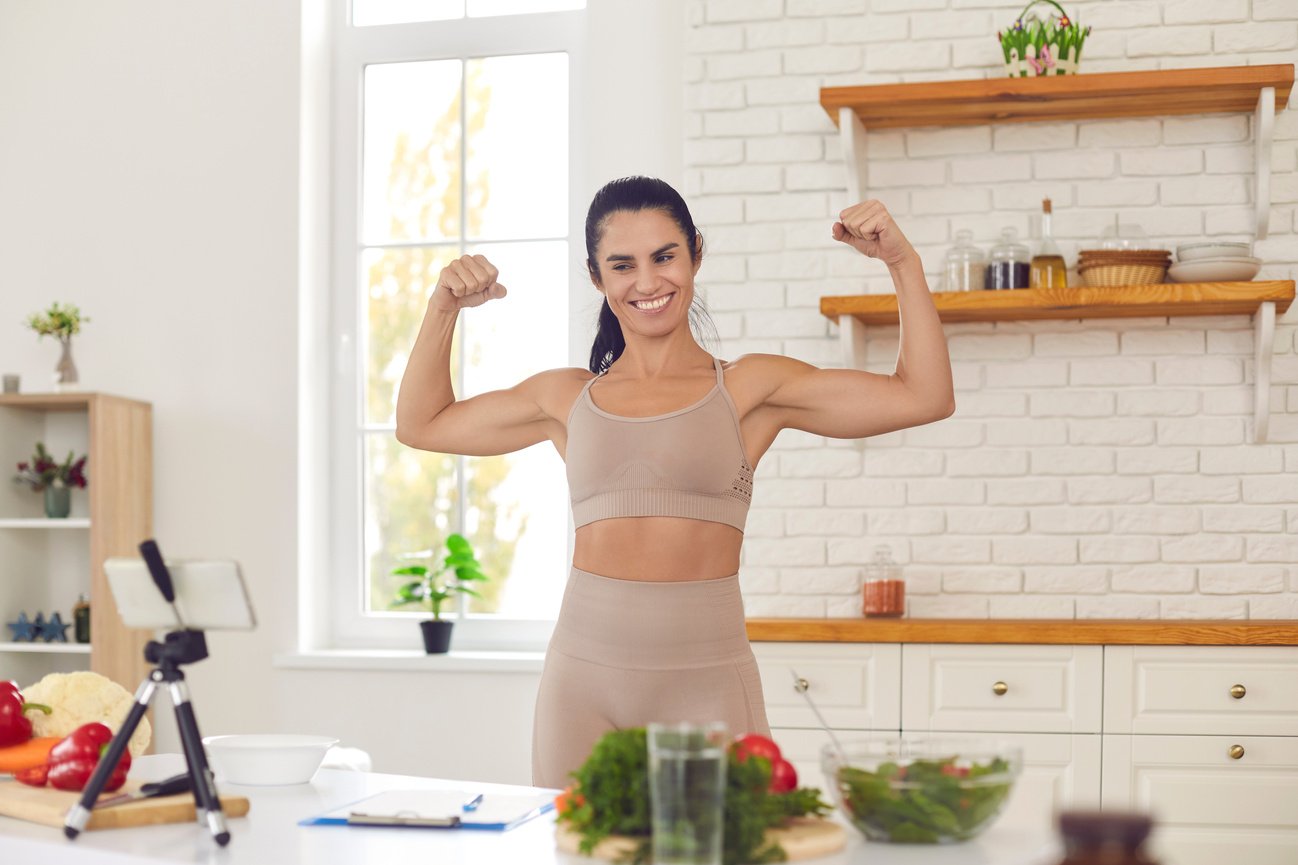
(183, 646)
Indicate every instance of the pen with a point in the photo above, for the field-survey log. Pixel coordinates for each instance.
(472, 804)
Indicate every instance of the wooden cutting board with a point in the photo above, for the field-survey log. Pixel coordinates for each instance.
(50, 807)
(801, 838)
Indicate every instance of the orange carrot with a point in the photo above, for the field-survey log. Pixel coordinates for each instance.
(26, 755)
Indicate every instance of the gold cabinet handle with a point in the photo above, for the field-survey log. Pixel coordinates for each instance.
(1238, 691)
(801, 685)
(1236, 751)
(1000, 689)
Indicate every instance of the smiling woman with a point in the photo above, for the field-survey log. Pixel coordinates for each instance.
(661, 441)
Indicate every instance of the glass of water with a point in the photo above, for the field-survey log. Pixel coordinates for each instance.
(687, 786)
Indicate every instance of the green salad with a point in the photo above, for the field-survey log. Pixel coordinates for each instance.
(925, 801)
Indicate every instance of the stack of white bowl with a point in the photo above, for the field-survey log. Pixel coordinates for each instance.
(1214, 261)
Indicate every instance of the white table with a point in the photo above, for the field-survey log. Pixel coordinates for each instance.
(270, 834)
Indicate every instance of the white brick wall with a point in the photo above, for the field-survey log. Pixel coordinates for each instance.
(1096, 468)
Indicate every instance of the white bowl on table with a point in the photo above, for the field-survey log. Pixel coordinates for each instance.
(267, 759)
(1215, 270)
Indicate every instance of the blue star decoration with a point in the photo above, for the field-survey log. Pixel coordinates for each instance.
(54, 631)
(24, 630)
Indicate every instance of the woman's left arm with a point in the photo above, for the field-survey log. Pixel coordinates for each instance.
(845, 403)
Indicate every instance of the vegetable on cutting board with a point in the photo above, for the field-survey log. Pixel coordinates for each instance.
(81, 698)
(73, 759)
(15, 726)
(26, 755)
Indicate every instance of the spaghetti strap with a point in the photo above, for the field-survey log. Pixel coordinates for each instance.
(721, 380)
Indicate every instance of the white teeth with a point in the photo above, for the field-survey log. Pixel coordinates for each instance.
(652, 304)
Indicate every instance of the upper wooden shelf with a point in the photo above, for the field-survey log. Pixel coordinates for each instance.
(1126, 301)
(1060, 97)
(73, 401)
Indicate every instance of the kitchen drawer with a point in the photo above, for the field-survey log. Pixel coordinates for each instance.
(856, 686)
(1188, 689)
(1025, 689)
(1208, 807)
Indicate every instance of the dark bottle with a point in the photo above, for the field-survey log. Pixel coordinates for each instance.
(81, 620)
(1104, 838)
(1011, 263)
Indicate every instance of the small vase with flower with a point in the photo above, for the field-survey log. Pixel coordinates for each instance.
(44, 474)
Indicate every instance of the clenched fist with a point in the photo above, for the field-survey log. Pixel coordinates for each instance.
(469, 280)
(868, 228)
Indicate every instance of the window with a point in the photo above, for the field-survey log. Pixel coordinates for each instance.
(451, 131)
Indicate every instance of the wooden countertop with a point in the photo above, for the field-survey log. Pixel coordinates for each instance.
(1112, 632)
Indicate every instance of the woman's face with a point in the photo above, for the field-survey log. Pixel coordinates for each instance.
(645, 271)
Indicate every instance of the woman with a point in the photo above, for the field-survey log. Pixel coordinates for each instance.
(660, 441)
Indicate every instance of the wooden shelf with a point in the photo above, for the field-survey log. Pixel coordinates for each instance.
(1128, 301)
(75, 401)
(1076, 632)
(49, 648)
(43, 523)
(1060, 97)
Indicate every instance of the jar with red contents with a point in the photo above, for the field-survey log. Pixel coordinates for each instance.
(884, 593)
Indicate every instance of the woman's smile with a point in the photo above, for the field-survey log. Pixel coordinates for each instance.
(653, 305)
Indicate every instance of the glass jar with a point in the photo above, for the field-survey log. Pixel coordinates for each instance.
(966, 265)
(1011, 262)
(884, 594)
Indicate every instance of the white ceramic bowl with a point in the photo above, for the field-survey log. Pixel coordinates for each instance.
(1213, 249)
(267, 759)
(1215, 270)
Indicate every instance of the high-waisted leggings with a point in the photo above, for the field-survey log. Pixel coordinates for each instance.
(629, 652)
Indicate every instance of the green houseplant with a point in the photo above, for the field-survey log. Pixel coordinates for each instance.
(433, 586)
(62, 321)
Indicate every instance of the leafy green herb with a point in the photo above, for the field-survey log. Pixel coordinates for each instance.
(936, 800)
(612, 787)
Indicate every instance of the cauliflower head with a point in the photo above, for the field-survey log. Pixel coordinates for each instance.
(80, 698)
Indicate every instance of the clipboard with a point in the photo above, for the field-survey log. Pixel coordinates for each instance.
(437, 809)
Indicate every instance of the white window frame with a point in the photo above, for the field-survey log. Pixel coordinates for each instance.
(344, 625)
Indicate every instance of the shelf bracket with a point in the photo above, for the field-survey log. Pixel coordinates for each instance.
(1263, 340)
(1263, 126)
(852, 133)
(851, 337)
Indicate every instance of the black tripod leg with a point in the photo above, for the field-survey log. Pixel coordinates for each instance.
(205, 797)
(79, 815)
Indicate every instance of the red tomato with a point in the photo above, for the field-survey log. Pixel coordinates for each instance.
(568, 800)
(753, 745)
(783, 776)
(955, 771)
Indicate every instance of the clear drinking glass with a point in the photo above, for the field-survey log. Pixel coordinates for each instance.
(687, 784)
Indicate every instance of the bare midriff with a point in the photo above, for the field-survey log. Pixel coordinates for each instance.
(660, 549)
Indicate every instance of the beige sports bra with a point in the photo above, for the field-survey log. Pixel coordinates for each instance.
(686, 463)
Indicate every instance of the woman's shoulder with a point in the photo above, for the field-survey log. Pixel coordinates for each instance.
(751, 378)
(555, 389)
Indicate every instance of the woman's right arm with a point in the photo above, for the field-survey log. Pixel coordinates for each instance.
(428, 415)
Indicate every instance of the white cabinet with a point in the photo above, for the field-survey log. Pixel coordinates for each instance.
(1214, 799)
(1203, 737)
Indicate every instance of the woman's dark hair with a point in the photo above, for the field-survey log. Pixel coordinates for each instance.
(634, 194)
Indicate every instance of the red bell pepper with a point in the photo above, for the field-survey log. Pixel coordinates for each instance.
(73, 760)
(14, 727)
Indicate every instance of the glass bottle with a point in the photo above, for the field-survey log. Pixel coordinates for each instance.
(1048, 267)
(884, 594)
(1105, 838)
(966, 265)
(81, 619)
(1010, 262)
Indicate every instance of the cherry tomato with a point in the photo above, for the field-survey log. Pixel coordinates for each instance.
(954, 771)
(783, 776)
(753, 745)
(568, 800)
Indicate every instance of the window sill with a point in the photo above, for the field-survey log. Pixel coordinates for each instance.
(398, 660)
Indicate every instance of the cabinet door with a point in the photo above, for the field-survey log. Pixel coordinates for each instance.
(1208, 690)
(856, 686)
(1209, 807)
(1023, 689)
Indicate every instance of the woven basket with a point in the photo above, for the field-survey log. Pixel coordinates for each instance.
(1123, 274)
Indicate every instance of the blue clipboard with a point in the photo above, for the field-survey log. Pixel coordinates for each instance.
(437, 809)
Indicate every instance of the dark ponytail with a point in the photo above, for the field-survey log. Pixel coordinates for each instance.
(633, 194)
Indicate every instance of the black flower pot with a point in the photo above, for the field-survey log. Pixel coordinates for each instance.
(437, 636)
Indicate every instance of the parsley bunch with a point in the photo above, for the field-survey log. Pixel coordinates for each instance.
(611, 797)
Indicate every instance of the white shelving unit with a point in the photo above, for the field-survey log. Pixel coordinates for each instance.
(43, 523)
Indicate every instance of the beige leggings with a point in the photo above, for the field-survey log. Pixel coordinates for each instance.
(628, 652)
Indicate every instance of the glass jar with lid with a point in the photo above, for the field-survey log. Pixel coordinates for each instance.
(966, 264)
(884, 594)
(1011, 262)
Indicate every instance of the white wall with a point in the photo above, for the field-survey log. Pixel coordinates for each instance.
(149, 172)
(1097, 468)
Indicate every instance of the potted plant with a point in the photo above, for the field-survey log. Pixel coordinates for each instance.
(62, 321)
(434, 586)
(42, 473)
